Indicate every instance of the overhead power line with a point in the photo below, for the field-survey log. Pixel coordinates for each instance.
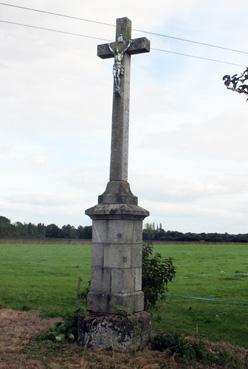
(105, 40)
(199, 57)
(135, 29)
(53, 30)
(193, 41)
(57, 14)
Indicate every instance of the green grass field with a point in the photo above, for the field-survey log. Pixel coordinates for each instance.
(208, 298)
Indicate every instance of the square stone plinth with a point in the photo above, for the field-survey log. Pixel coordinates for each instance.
(116, 272)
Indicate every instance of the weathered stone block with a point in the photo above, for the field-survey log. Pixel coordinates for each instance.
(117, 231)
(98, 302)
(100, 279)
(115, 332)
(138, 279)
(122, 280)
(99, 230)
(139, 302)
(115, 303)
(97, 254)
(117, 256)
(127, 302)
(136, 255)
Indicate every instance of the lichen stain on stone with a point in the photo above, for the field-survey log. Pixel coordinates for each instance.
(116, 332)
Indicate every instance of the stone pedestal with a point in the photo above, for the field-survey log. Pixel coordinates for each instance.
(116, 301)
(116, 274)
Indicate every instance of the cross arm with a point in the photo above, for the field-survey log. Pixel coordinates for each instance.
(138, 46)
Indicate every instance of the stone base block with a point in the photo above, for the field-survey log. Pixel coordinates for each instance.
(115, 332)
(118, 303)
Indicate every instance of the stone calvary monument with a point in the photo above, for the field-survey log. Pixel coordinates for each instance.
(116, 301)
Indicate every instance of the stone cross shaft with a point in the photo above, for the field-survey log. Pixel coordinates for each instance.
(121, 50)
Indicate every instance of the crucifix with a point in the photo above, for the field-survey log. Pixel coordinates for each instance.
(121, 50)
(116, 271)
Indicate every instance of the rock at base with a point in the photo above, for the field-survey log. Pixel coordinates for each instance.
(115, 332)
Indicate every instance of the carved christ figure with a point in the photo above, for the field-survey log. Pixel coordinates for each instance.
(118, 68)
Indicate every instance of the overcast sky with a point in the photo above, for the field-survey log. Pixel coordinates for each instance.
(188, 134)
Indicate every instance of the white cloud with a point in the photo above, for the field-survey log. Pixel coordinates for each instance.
(219, 138)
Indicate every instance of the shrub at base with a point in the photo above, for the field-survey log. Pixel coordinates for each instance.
(157, 272)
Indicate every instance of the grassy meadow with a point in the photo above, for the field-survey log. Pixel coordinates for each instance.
(208, 298)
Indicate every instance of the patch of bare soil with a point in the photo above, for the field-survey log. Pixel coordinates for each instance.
(20, 350)
(16, 328)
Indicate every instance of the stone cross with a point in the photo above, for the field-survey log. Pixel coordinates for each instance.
(116, 272)
(121, 50)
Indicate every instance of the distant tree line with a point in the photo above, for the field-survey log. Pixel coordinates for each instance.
(151, 232)
(20, 230)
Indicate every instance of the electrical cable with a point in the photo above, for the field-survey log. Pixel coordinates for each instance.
(103, 39)
(53, 30)
(135, 29)
(199, 57)
(57, 14)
